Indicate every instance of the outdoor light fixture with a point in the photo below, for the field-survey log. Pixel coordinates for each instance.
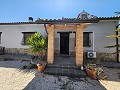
(65, 25)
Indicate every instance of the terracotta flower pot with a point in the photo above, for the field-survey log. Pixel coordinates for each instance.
(40, 68)
(91, 73)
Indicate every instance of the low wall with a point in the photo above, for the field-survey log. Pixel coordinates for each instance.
(100, 56)
(18, 51)
(106, 56)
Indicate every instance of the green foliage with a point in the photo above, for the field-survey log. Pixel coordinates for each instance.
(38, 44)
(112, 46)
(114, 36)
(118, 30)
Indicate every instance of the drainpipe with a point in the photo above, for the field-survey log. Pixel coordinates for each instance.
(93, 42)
(117, 43)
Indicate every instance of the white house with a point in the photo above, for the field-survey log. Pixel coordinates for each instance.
(64, 35)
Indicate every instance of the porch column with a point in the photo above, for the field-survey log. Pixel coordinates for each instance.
(79, 44)
(51, 35)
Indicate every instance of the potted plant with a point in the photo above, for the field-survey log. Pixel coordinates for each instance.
(41, 66)
(95, 72)
(38, 45)
(91, 72)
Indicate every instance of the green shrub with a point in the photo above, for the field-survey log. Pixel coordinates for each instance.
(38, 45)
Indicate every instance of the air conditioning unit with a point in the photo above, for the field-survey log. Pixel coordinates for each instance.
(91, 54)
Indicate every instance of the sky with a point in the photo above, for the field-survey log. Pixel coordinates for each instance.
(20, 10)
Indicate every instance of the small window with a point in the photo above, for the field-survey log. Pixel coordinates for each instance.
(86, 39)
(26, 35)
(84, 16)
(0, 37)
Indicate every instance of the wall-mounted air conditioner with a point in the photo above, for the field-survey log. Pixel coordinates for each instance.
(91, 54)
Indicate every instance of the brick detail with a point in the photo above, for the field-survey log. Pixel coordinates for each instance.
(51, 39)
(79, 45)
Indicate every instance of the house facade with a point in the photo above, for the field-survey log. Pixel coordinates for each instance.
(66, 36)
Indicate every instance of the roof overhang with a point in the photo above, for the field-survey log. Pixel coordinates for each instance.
(67, 21)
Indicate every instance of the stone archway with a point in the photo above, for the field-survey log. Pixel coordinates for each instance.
(79, 40)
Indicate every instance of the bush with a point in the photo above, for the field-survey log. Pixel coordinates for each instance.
(38, 45)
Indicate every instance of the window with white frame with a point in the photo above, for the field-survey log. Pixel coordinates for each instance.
(87, 39)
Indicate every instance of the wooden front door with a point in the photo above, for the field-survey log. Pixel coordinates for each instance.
(64, 43)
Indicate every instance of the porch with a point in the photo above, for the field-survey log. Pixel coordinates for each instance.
(64, 42)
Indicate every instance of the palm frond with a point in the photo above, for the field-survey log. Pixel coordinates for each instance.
(113, 36)
(112, 46)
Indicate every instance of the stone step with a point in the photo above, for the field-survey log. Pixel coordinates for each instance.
(66, 66)
(74, 73)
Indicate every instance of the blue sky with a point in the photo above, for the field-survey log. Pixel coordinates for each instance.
(20, 10)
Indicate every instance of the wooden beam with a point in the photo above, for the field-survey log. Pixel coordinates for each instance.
(65, 27)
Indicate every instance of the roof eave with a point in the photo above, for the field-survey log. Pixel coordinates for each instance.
(67, 21)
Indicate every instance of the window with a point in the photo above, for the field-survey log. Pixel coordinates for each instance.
(26, 35)
(0, 37)
(84, 16)
(87, 39)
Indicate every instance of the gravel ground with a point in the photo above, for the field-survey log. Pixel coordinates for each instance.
(12, 77)
(113, 79)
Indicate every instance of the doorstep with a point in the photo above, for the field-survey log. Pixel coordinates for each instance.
(70, 71)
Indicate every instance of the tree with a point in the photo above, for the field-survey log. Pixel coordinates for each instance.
(38, 45)
(117, 45)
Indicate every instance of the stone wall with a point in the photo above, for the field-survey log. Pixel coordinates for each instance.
(106, 57)
(100, 56)
(18, 51)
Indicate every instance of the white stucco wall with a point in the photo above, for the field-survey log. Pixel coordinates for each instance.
(100, 31)
(12, 35)
(98, 37)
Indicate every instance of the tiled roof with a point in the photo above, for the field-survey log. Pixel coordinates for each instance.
(109, 18)
(65, 20)
(15, 23)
